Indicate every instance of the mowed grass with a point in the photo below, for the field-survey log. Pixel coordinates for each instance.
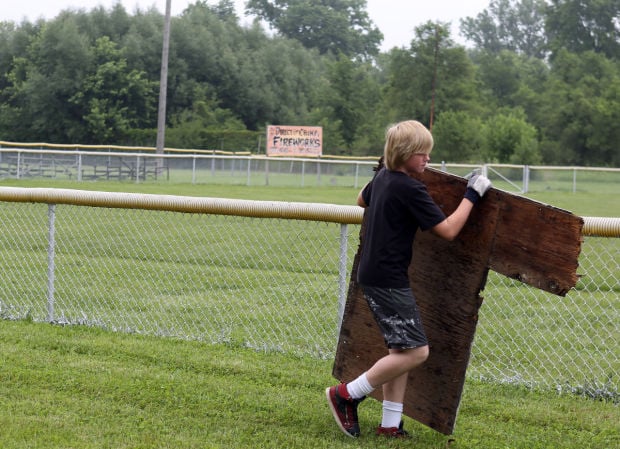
(79, 387)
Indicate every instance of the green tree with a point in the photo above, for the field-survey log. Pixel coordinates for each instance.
(500, 74)
(457, 137)
(509, 79)
(333, 143)
(14, 43)
(509, 138)
(514, 25)
(42, 80)
(581, 110)
(114, 100)
(99, 22)
(336, 26)
(584, 25)
(141, 45)
(225, 10)
(434, 75)
(351, 93)
(260, 79)
(202, 126)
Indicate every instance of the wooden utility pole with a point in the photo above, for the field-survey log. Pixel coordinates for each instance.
(434, 85)
(163, 88)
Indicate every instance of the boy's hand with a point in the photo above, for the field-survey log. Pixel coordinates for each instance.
(477, 186)
(479, 183)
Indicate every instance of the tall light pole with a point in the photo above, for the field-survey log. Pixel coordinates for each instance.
(434, 86)
(163, 88)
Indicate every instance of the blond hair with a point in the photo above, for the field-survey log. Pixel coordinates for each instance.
(404, 139)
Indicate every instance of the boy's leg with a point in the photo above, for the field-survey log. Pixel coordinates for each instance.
(393, 398)
(398, 318)
(394, 365)
(394, 389)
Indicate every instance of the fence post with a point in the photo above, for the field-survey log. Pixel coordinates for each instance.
(574, 180)
(303, 173)
(18, 170)
(526, 178)
(342, 272)
(51, 212)
(79, 167)
(193, 169)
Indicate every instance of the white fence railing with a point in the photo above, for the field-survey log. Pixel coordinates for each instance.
(203, 167)
(273, 276)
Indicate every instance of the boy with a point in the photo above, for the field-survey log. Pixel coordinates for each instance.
(396, 206)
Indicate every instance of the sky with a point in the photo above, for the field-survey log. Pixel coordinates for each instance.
(395, 18)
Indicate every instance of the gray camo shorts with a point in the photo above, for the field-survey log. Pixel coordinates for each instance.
(397, 315)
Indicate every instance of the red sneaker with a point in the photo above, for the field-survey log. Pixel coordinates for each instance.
(344, 409)
(393, 432)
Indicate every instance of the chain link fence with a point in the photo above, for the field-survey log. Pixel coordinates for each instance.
(277, 284)
(528, 337)
(204, 167)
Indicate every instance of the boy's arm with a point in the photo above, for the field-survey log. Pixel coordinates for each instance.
(360, 196)
(360, 199)
(451, 226)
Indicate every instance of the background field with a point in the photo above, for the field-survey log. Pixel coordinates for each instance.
(81, 387)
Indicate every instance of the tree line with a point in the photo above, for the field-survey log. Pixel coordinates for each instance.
(538, 82)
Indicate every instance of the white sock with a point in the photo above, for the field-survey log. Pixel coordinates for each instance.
(392, 414)
(359, 387)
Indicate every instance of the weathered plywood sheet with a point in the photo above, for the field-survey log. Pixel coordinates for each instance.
(520, 238)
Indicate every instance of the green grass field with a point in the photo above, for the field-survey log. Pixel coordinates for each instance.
(79, 387)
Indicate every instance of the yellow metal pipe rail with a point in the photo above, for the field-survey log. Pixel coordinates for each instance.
(217, 206)
(593, 226)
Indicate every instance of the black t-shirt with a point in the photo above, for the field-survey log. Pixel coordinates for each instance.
(397, 205)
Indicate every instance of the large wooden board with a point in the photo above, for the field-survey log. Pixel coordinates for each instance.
(515, 236)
